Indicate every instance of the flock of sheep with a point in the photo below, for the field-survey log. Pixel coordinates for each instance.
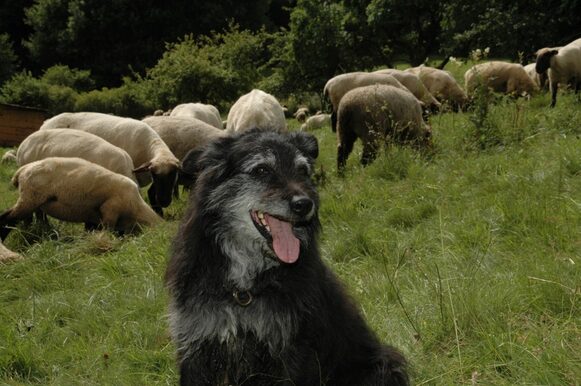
(88, 167)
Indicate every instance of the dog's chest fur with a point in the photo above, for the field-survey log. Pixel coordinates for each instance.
(230, 323)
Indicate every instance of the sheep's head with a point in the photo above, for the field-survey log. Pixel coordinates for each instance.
(164, 173)
(544, 56)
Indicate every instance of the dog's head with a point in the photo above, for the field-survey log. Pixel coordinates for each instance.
(256, 197)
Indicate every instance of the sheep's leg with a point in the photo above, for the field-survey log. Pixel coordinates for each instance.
(6, 222)
(344, 148)
(369, 152)
(153, 200)
(334, 121)
(109, 215)
(554, 87)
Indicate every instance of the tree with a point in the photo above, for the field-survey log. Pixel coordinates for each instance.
(8, 59)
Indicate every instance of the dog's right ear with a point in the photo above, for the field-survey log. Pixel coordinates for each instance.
(306, 143)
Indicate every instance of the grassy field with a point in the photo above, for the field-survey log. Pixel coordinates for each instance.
(467, 259)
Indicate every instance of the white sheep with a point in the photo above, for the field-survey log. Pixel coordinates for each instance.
(9, 157)
(74, 143)
(183, 134)
(256, 109)
(378, 113)
(442, 85)
(145, 147)
(510, 78)
(316, 122)
(415, 85)
(207, 113)
(563, 65)
(76, 190)
(7, 255)
(339, 85)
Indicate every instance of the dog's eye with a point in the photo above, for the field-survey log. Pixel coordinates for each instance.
(303, 170)
(261, 170)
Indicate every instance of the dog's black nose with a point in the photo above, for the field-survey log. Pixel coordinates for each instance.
(301, 205)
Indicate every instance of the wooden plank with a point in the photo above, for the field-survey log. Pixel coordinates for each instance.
(17, 123)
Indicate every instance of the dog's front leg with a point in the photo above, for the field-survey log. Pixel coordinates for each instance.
(205, 367)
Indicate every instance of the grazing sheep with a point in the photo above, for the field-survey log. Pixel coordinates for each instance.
(256, 109)
(509, 78)
(414, 84)
(7, 255)
(201, 111)
(374, 113)
(316, 122)
(183, 134)
(147, 150)
(442, 85)
(339, 85)
(539, 79)
(76, 190)
(301, 114)
(75, 143)
(563, 65)
(9, 156)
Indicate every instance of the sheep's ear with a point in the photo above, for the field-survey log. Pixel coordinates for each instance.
(306, 143)
(143, 168)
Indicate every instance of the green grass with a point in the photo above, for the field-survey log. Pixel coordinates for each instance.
(466, 259)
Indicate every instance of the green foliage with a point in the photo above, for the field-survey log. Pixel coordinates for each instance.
(8, 58)
(128, 100)
(215, 69)
(60, 75)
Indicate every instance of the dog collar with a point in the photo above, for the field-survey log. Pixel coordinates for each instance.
(243, 298)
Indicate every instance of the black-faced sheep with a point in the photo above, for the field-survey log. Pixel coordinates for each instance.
(75, 143)
(256, 109)
(7, 255)
(76, 190)
(206, 113)
(376, 114)
(301, 114)
(339, 85)
(442, 85)
(504, 77)
(415, 85)
(147, 150)
(316, 122)
(563, 65)
(183, 135)
(539, 79)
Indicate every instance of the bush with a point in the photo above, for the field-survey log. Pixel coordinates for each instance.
(60, 75)
(127, 100)
(215, 69)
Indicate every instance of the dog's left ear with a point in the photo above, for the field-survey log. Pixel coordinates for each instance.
(306, 143)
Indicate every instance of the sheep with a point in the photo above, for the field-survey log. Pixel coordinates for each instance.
(201, 111)
(538, 79)
(74, 143)
(183, 134)
(76, 190)
(301, 114)
(563, 65)
(414, 84)
(145, 147)
(339, 85)
(442, 85)
(510, 78)
(316, 121)
(256, 109)
(378, 112)
(9, 157)
(7, 255)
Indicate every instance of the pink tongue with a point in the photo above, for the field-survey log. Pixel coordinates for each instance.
(286, 245)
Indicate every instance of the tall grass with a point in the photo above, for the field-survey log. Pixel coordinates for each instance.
(467, 260)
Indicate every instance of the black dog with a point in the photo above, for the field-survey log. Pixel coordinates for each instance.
(251, 301)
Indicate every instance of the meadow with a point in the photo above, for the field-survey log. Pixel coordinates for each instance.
(467, 258)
